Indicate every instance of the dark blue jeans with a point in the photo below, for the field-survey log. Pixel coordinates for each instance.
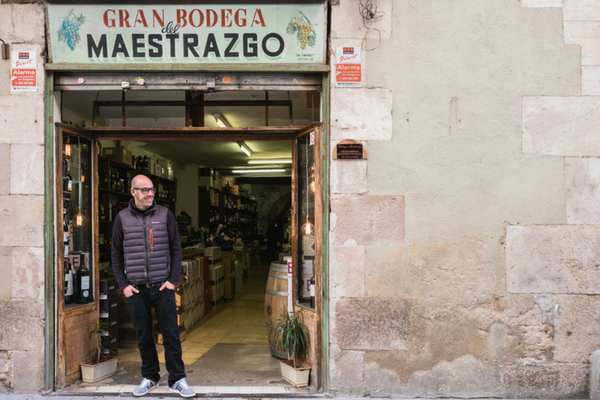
(140, 305)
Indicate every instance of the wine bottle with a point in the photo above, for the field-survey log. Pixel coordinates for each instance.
(312, 292)
(68, 282)
(83, 282)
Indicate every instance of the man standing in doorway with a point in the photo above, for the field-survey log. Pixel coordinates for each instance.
(146, 259)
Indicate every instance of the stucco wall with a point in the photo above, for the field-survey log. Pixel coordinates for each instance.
(22, 209)
(470, 277)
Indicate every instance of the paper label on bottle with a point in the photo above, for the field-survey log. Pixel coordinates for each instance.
(69, 284)
(85, 283)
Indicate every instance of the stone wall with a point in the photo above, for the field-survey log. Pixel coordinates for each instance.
(22, 208)
(475, 273)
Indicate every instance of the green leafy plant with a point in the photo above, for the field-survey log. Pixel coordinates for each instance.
(96, 333)
(294, 337)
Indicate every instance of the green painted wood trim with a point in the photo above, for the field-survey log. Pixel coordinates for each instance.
(325, 239)
(97, 67)
(50, 350)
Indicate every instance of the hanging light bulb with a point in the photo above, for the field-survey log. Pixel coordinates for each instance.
(68, 148)
(79, 220)
(308, 228)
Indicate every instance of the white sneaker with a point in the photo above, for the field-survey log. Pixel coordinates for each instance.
(182, 388)
(144, 387)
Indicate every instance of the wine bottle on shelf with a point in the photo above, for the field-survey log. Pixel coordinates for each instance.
(68, 282)
(83, 282)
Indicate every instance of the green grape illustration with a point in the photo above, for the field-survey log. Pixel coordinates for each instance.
(304, 30)
(69, 29)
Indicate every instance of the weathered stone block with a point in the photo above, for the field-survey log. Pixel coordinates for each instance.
(5, 372)
(541, 3)
(432, 273)
(595, 376)
(25, 122)
(564, 126)
(368, 220)
(21, 317)
(5, 168)
(13, 17)
(462, 377)
(348, 176)
(27, 169)
(582, 178)
(581, 10)
(28, 371)
(349, 121)
(590, 81)
(6, 272)
(546, 381)
(346, 271)
(553, 259)
(576, 30)
(28, 273)
(22, 220)
(373, 324)
(347, 23)
(576, 335)
(347, 373)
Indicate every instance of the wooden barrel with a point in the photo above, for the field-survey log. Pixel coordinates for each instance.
(275, 305)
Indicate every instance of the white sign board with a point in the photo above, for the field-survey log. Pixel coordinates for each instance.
(348, 67)
(23, 71)
(168, 33)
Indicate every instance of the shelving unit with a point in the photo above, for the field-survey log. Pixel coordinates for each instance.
(114, 195)
(237, 214)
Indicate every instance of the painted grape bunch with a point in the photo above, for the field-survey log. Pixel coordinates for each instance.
(304, 31)
(69, 29)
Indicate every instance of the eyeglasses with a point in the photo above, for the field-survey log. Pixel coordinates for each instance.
(146, 191)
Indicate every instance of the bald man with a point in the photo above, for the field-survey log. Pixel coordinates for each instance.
(146, 260)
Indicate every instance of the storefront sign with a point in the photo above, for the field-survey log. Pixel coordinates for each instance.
(23, 72)
(274, 34)
(348, 67)
(349, 149)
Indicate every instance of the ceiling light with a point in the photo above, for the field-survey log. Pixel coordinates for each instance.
(245, 148)
(222, 121)
(270, 161)
(256, 171)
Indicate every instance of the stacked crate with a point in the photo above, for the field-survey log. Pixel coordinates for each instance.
(229, 275)
(109, 315)
(214, 256)
(240, 257)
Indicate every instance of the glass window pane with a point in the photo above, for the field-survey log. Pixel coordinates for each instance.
(305, 186)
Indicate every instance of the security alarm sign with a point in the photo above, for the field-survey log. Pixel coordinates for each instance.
(348, 67)
(23, 73)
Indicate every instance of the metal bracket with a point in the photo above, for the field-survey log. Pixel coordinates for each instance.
(4, 53)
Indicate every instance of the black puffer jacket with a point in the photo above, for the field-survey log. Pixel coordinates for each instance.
(145, 246)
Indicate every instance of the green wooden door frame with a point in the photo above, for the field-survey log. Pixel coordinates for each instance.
(49, 239)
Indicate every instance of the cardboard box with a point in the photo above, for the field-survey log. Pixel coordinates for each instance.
(119, 154)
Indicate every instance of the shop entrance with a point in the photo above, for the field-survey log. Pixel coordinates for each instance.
(215, 209)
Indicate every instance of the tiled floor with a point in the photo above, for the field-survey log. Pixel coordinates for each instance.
(225, 331)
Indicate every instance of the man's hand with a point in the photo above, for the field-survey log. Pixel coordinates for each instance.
(129, 291)
(167, 285)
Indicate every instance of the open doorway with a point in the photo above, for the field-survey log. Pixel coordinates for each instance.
(244, 214)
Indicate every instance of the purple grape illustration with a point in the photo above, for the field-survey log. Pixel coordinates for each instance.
(69, 29)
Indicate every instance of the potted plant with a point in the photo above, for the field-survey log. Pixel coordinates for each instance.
(294, 338)
(100, 366)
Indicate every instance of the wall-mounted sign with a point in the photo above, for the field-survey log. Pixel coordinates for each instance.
(274, 34)
(348, 67)
(23, 71)
(349, 149)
